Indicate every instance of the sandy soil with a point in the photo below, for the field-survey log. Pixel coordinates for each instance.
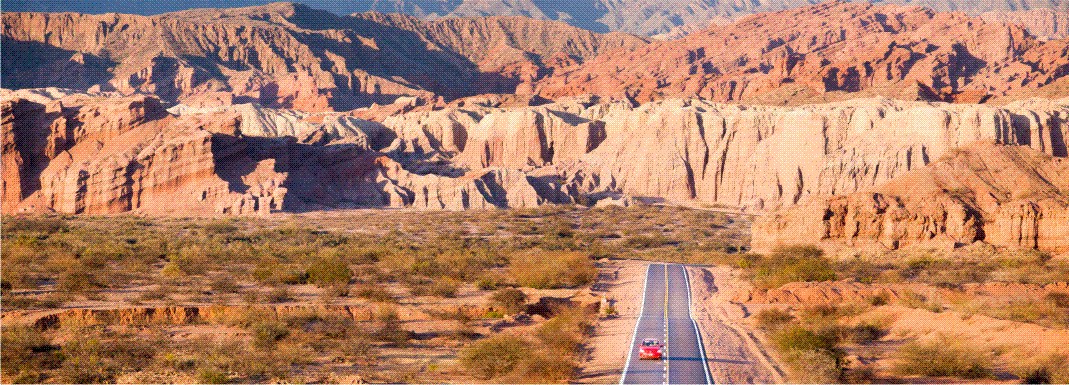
(620, 282)
(735, 353)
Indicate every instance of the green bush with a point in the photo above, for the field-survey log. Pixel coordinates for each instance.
(445, 287)
(800, 338)
(79, 278)
(544, 368)
(375, 293)
(814, 366)
(788, 264)
(773, 319)
(26, 352)
(212, 376)
(564, 333)
(509, 299)
(494, 356)
(266, 333)
(552, 269)
(943, 357)
(865, 333)
(328, 271)
(1046, 369)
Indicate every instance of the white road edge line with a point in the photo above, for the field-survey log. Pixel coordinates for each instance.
(701, 344)
(667, 349)
(634, 335)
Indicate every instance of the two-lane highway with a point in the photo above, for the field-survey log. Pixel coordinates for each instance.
(666, 316)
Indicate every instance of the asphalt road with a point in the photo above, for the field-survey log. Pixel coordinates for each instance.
(666, 317)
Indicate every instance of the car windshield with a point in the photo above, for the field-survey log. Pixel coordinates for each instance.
(649, 343)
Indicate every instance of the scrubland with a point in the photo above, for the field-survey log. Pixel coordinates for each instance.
(919, 315)
(491, 296)
(381, 296)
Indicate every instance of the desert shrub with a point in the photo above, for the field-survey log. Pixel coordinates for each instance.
(773, 319)
(223, 284)
(27, 352)
(494, 356)
(279, 294)
(544, 368)
(221, 227)
(79, 278)
(266, 333)
(509, 299)
(445, 287)
(788, 264)
(1045, 369)
(269, 272)
(565, 332)
(865, 332)
(42, 224)
(192, 259)
(210, 375)
(943, 357)
(374, 293)
(327, 271)
(90, 358)
(646, 241)
(914, 300)
(1058, 299)
(552, 269)
(1043, 312)
(802, 339)
(389, 327)
(487, 283)
(814, 366)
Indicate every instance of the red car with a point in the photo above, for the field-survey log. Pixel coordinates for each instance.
(651, 349)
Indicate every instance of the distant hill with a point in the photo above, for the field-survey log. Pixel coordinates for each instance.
(639, 17)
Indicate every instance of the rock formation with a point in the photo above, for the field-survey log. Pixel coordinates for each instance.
(288, 55)
(85, 154)
(639, 17)
(1002, 195)
(830, 51)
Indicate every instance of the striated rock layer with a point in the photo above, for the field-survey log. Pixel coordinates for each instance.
(288, 55)
(82, 154)
(899, 172)
(1003, 195)
(826, 52)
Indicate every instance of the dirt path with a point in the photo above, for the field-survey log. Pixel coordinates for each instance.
(735, 355)
(620, 282)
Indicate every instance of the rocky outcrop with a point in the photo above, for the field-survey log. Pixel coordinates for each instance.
(1044, 23)
(899, 172)
(83, 154)
(288, 55)
(1009, 196)
(757, 157)
(830, 51)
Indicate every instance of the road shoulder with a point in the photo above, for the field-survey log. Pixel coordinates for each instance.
(735, 355)
(620, 281)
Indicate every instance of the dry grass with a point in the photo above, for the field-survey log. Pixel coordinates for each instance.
(944, 357)
(377, 259)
